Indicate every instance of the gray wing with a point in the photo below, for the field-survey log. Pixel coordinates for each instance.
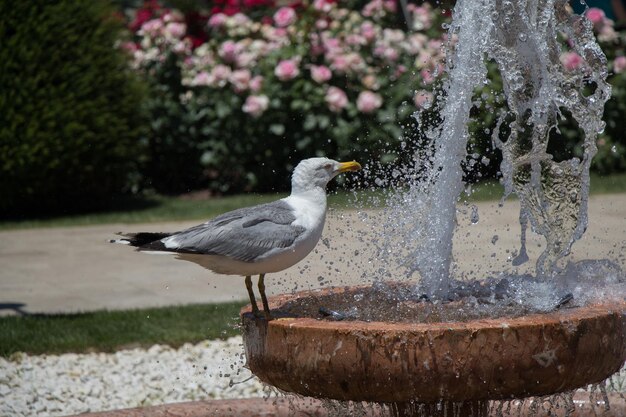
(244, 234)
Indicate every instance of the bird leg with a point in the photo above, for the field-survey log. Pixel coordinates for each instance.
(266, 306)
(255, 308)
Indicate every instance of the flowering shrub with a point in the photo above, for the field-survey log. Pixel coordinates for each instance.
(611, 142)
(262, 93)
(243, 93)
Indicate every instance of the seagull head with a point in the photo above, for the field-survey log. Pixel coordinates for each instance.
(317, 172)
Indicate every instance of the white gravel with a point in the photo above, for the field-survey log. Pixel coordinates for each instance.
(58, 385)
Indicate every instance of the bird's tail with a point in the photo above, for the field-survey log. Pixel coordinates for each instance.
(139, 239)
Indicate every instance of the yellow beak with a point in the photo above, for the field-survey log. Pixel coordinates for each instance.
(349, 166)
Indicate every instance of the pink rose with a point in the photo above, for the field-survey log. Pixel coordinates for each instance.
(171, 16)
(240, 19)
(176, 30)
(372, 8)
(220, 74)
(368, 101)
(401, 69)
(422, 99)
(370, 81)
(217, 20)
(606, 33)
(596, 16)
(321, 24)
(256, 105)
(287, 70)
(322, 5)
(390, 6)
(427, 76)
(284, 17)
(619, 65)
(332, 43)
(151, 27)
(320, 73)
(202, 78)
(336, 99)
(422, 18)
(256, 83)
(245, 59)
(391, 53)
(332, 46)
(181, 46)
(435, 44)
(571, 61)
(240, 79)
(340, 64)
(355, 40)
(229, 50)
(368, 31)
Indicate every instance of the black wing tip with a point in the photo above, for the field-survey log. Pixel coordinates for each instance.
(156, 245)
(140, 239)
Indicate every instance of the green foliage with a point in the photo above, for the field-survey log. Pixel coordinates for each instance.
(173, 157)
(69, 107)
(611, 156)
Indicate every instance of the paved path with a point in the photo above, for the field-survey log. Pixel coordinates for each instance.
(76, 269)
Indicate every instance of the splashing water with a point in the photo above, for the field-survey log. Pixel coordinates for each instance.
(521, 37)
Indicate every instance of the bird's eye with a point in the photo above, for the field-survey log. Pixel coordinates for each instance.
(328, 167)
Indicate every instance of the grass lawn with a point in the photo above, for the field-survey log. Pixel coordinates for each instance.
(145, 210)
(107, 331)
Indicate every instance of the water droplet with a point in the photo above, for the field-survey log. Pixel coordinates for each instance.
(474, 217)
(523, 37)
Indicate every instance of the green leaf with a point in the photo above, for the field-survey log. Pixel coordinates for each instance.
(310, 122)
(323, 121)
(277, 129)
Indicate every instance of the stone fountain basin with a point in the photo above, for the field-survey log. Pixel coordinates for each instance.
(487, 359)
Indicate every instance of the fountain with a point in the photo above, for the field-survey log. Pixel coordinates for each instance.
(440, 353)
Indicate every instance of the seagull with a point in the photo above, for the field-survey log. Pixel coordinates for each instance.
(259, 239)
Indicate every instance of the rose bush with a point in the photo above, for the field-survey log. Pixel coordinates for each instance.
(243, 92)
(263, 92)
